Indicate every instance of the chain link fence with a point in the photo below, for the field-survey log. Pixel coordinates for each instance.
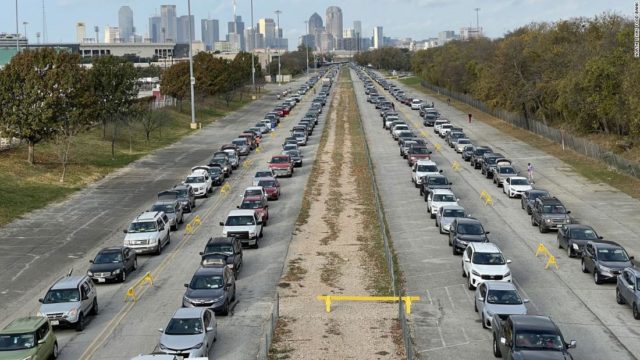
(576, 143)
(268, 329)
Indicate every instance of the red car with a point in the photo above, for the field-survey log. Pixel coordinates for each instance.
(279, 111)
(281, 165)
(271, 186)
(416, 153)
(251, 138)
(259, 204)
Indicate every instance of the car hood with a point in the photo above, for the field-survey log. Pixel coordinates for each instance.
(491, 269)
(181, 342)
(270, 190)
(105, 267)
(208, 294)
(555, 216)
(541, 355)
(615, 264)
(521, 187)
(446, 186)
(17, 354)
(139, 236)
(240, 228)
(446, 220)
(279, 165)
(471, 238)
(502, 309)
(58, 307)
(438, 204)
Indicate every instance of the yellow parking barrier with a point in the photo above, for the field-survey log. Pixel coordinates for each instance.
(551, 260)
(273, 133)
(197, 220)
(488, 200)
(247, 163)
(484, 194)
(131, 292)
(330, 298)
(188, 229)
(258, 150)
(424, 133)
(455, 166)
(438, 147)
(225, 188)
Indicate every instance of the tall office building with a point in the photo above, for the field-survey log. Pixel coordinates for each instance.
(169, 22)
(333, 24)
(125, 23)
(267, 27)
(237, 27)
(378, 38)
(315, 24)
(111, 35)
(81, 32)
(183, 29)
(210, 32)
(357, 27)
(155, 29)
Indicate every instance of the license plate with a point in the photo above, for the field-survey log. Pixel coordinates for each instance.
(101, 280)
(55, 322)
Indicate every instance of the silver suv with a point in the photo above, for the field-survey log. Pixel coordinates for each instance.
(69, 301)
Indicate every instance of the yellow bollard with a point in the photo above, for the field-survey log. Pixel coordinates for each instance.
(131, 294)
(541, 250)
(455, 165)
(189, 229)
(488, 200)
(438, 147)
(196, 220)
(148, 278)
(551, 261)
(483, 194)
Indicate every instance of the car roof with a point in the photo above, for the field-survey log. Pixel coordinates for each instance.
(68, 282)
(220, 239)
(209, 270)
(197, 172)
(549, 200)
(426, 162)
(23, 325)
(181, 186)
(452, 207)
(269, 178)
(535, 191)
(112, 249)
(166, 201)
(500, 285)
(254, 197)
(442, 191)
(485, 247)
(518, 177)
(468, 220)
(578, 226)
(187, 313)
(533, 322)
(242, 212)
(606, 244)
(148, 215)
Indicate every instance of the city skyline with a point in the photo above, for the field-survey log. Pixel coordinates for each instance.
(406, 20)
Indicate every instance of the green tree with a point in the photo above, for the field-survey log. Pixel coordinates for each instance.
(175, 82)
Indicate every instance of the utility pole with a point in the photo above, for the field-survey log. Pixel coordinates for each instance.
(306, 43)
(25, 23)
(253, 51)
(17, 30)
(192, 79)
(278, 12)
(477, 21)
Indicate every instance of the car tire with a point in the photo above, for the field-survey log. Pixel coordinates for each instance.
(174, 227)
(569, 251)
(206, 194)
(123, 276)
(55, 352)
(135, 263)
(159, 249)
(496, 348)
(469, 285)
(596, 277)
(94, 307)
(433, 216)
(225, 309)
(454, 251)
(484, 322)
(542, 229)
(583, 267)
(533, 221)
(464, 274)
(168, 239)
(80, 323)
(619, 298)
(636, 313)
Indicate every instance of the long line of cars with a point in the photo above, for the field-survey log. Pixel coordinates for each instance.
(192, 329)
(516, 334)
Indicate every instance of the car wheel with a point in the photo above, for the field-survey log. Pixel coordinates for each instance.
(188, 209)
(583, 267)
(636, 314)
(569, 251)
(54, 352)
(206, 194)
(225, 310)
(619, 298)
(257, 244)
(94, 307)
(454, 251)
(433, 216)
(159, 248)
(496, 348)
(596, 277)
(484, 322)
(135, 263)
(80, 323)
(533, 221)
(542, 228)
(464, 274)
(475, 306)
(123, 277)
(469, 285)
(168, 239)
(174, 227)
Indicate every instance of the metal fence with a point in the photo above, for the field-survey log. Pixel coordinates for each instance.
(268, 329)
(384, 231)
(576, 143)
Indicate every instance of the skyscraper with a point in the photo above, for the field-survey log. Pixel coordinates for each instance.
(125, 23)
(267, 27)
(357, 27)
(210, 32)
(81, 32)
(333, 23)
(315, 24)
(378, 38)
(155, 29)
(183, 29)
(111, 34)
(237, 27)
(169, 22)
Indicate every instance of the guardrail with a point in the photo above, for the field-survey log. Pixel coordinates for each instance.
(551, 260)
(131, 292)
(328, 299)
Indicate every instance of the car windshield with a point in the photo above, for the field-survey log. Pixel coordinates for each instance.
(464, 141)
(421, 150)
(13, 342)
(481, 151)
(219, 248)
(427, 168)
(507, 170)
(583, 234)
(614, 255)
(453, 213)
(239, 142)
(401, 127)
(481, 258)
(61, 296)
(253, 192)
(167, 208)
(240, 221)
(519, 182)
(261, 174)
(279, 160)
(142, 226)
(504, 297)
(215, 171)
(110, 257)
(438, 181)
(251, 204)
(491, 160)
(539, 340)
(553, 209)
(220, 161)
(184, 327)
(202, 282)
(470, 229)
(267, 183)
(181, 192)
(444, 198)
(535, 195)
(194, 180)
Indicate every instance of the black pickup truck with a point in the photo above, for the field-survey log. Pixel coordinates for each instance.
(529, 337)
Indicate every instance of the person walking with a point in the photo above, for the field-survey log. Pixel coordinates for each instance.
(393, 106)
(530, 172)
(469, 118)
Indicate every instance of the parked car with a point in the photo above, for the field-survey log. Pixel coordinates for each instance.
(489, 163)
(69, 301)
(212, 286)
(281, 165)
(477, 156)
(28, 338)
(605, 260)
(228, 246)
(173, 209)
(515, 186)
(416, 153)
(183, 193)
(467, 152)
(628, 290)
(484, 261)
(271, 186)
(113, 264)
(224, 165)
(464, 231)
(259, 204)
(529, 197)
(445, 216)
(244, 148)
(529, 337)
(502, 171)
(148, 233)
(497, 297)
(439, 197)
(296, 157)
(421, 169)
(190, 333)
(259, 175)
(200, 182)
(574, 237)
(548, 213)
(460, 144)
(244, 225)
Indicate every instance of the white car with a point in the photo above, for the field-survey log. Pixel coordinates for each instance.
(421, 169)
(389, 119)
(438, 198)
(396, 130)
(234, 158)
(460, 144)
(148, 233)
(497, 297)
(438, 124)
(445, 217)
(200, 181)
(415, 104)
(244, 225)
(190, 333)
(444, 129)
(516, 186)
(482, 262)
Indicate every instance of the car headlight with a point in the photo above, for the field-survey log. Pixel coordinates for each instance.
(463, 242)
(72, 313)
(162, 347)
(507, 274)
(198, 346)
(475, 273)
(252, 233)
(567, 221)
(116, 271)
(575, 246)
(218, 299)
(89, 273)
(605, 269)
(547, 220)
(489, 312)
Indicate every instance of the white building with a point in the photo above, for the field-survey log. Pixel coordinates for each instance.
(111, 35)
(468, 33)
(81, 32)
(378, 38)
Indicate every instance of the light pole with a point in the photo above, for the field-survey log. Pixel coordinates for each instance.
(278, 12)
(306, 43)
(25, 23)
(17, 30)
(253, 51)
(477, 21)
(192, 79)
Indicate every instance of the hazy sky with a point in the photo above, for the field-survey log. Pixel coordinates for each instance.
(418, 19)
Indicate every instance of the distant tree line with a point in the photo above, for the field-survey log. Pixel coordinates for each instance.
(385, 58)
(292, 63)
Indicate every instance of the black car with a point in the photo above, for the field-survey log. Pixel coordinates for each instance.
(215, 173)
(574, 237)
(112, 264)
(489, 161)
(296, 157)
(605, 259)
(230, 247)
(212, 286)
(183, 193)
(467, 152)
(224, 165)
(436, 181)
(529, 197)
(465, 230)
(476, 157)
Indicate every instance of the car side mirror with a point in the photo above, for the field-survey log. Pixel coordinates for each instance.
(237, 206)
(450, 183)
(467, 260)
(569, 212)
(221, 223)
(41, 300)
(487, 232)
(631, 257)
(508, 261)
(526, 301)
(572, 344)
(186, 285)
(41, 341)
(91, 261)
(600, 237)
(124, 231)
(161, 330)
(201, 253)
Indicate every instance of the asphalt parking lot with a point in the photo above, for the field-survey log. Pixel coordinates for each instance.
(444, 323)
(44, 245)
